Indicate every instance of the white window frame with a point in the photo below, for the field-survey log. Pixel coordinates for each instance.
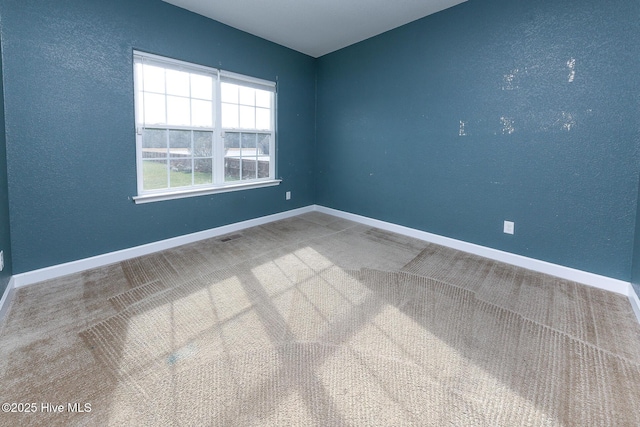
(219, 185)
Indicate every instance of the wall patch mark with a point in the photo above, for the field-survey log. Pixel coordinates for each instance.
(571, 64)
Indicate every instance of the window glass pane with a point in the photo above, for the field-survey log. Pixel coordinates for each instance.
(201, 114)
(154, 109)
(154, 143)
(247, 117)
(248, 143)
(263, 168)
(202, 144)
(179, 143)
(154, 174)
(263, 118)
(229, 93)
(201, 86)
(231, 156)
(178, 111)
(249, 168)
(247, 96)
(263, 98)
(263, 155)
(177, 83)
(180, 175)
(153, 79)
(229, 116)
(249, 155)
(231, 169)
(202, 173)
(263, 144)
(232, 142)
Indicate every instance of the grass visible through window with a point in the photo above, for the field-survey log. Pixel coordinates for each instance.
(155, 176)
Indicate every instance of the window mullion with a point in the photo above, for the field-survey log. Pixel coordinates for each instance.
(139, 163)
(178, 127)
(255, 155)
(138, 67)
(272, 138)
(168, 158)
(193, 162)
(218, 141)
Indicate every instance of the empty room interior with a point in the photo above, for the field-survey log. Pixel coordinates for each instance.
(332, 213)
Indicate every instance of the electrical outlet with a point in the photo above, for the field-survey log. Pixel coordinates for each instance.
(509, 227)
(288, 195)
(1, 260)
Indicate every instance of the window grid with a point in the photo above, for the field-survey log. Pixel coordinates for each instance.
(206, 164)
(246, 112)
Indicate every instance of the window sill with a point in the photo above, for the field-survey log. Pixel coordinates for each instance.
(180, 194)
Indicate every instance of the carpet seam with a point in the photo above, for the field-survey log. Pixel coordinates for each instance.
(521, 316)
(130, 310)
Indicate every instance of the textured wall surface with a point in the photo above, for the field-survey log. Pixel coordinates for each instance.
(70, 124)
(490, 111)
(5, 238)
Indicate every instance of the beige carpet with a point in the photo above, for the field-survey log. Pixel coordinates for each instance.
(322, 322)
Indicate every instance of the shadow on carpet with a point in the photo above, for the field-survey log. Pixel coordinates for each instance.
(335, 347)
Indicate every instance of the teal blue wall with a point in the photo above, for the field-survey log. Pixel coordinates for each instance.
(549, 94)
(5, 238)
(70, 124)
(558, 157)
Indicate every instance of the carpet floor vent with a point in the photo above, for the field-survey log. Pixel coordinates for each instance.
(231, 237)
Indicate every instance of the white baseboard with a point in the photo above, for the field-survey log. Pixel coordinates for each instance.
(5, 301)
(635, 301)
(60, 270)
(595, 280)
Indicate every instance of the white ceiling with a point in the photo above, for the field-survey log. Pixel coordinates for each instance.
(315, 27)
